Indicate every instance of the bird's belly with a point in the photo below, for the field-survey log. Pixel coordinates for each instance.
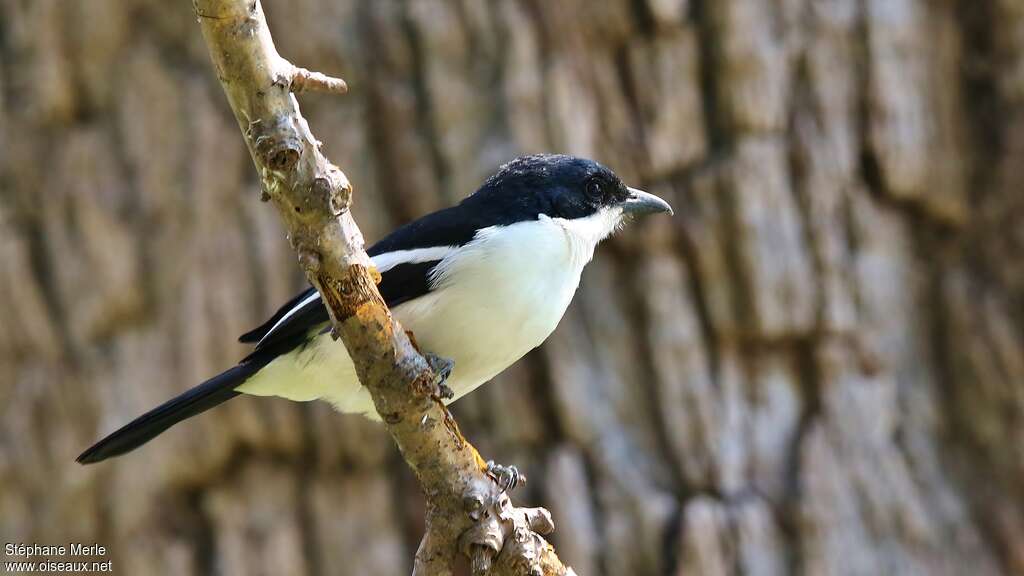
(321, 369)
(486, 327)
(481, 338)
(491, 311)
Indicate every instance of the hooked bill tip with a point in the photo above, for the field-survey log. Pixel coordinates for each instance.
(640, 202)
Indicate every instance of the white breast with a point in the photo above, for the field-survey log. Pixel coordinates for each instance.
(494, 300)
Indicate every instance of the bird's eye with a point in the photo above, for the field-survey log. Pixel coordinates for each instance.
(593, 188)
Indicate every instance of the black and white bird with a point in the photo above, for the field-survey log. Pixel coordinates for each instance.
(481, 283)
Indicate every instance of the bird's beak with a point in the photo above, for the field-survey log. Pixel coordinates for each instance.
(639, 203)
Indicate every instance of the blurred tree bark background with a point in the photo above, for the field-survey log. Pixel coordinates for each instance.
(816, 367)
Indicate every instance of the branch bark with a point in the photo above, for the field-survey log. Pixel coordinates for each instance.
(465, 507)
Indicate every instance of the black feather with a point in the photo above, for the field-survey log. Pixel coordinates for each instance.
(295, 330)
(401, 283)
(257, 333)
(197, 400)
(406, 282)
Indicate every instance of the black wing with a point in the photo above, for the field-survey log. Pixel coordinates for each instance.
(293, 323)
(257, 334)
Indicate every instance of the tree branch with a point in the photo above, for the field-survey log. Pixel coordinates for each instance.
(465, 507)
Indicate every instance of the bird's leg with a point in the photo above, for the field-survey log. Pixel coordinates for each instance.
(442, 368)
(508, 477)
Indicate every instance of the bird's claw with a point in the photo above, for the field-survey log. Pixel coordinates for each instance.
(508, 477)
(442, 368)
(444, 391)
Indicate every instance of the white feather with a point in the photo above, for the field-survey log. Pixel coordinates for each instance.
(389, 260)
(494, 300)
(290, 313)
(383, 262)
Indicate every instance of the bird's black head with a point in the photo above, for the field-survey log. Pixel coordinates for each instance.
(559, 186)
(580, 196)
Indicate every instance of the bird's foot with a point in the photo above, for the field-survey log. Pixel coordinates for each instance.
(442, 368)
(444, 391)
(508, 477)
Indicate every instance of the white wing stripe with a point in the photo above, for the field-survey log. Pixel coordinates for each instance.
(383, 262)
(307, 300)
(389, 260)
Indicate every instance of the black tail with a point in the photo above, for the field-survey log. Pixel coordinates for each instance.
(214, 391)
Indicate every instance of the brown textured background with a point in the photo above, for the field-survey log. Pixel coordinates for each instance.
(816, 367)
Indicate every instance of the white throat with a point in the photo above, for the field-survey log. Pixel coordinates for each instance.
(584, 234)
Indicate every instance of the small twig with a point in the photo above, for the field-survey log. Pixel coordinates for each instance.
(303, 80)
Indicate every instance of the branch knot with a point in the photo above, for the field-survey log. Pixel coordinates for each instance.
(277, 143)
